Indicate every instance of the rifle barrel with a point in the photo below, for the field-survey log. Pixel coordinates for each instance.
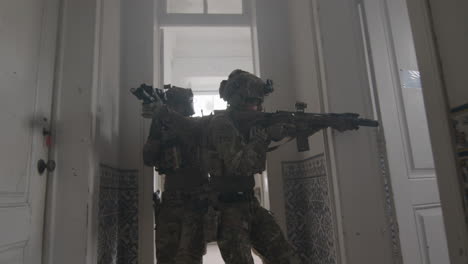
(367, 122)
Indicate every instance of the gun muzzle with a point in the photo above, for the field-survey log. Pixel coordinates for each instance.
(368, 122)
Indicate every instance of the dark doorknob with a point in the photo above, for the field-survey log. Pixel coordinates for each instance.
(42, 166)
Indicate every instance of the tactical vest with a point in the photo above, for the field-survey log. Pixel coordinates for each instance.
(221, 180)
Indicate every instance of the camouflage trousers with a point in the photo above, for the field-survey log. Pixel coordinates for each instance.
(179, 231)
(245, 225)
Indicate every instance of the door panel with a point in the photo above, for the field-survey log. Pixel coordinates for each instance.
(15, 225)
(27, 51)
(424, 191)
(19, 47)
(403, 116)
(417, 134)
(12, 255)
(430, 225)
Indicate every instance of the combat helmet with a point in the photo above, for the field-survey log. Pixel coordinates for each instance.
(242, 87)
(180, 99)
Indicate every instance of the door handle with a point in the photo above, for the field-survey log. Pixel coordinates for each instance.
(42, 166)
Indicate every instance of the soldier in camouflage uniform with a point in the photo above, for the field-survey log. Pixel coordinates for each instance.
(235, 154)
(173, 149)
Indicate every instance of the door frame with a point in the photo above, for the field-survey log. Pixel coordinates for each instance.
(409, 207)
(70, 217)
(435, 99)
(442, 138)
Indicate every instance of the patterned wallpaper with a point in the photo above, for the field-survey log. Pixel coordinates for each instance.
(309, 218)
(118, 216)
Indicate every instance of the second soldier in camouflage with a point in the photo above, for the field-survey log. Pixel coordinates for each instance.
(174, 150)
(234, 154)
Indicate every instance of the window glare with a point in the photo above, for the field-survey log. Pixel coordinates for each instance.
(206, 104)
(225, 6)
(185, 6)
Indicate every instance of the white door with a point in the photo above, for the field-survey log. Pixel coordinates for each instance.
(410, 161)
(27, 52)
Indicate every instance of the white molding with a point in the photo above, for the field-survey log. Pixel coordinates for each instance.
(204, 19)
(37, 185)
(72, 153)
(196, 20)
(14, 253)
(94, 174)
(327, 138)
(15, 225)
(247, 8)
(419, 214)
(9, 247)
(254, 38)
(13, 198)
(51, 195)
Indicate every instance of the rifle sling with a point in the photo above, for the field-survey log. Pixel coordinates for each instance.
(277, 146)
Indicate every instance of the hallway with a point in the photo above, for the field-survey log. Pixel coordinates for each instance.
(74, 188)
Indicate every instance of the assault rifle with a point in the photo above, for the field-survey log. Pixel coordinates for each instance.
(150, 96)
(299, 124)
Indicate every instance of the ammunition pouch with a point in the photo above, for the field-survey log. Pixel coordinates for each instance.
(212, 162)
(196, 200)
(233, 197)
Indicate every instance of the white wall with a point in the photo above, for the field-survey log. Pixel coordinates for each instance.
(108, 81)
(69, 194)
(272, 33)
(98, 120)
(360, 186)
(451, 32)
(305, 66)
(87, 130)
(137, 67)
(106, 101)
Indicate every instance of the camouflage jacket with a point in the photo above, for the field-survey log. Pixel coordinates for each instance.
(174, 149)
(233, 157)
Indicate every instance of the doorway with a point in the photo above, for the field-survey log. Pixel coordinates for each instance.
(199, 58)
(28, 49)
(369, 63)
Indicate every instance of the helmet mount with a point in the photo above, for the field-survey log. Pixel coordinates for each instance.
(243, 88)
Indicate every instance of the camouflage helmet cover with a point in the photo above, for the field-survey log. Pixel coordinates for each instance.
(241, 86)
(177, 96)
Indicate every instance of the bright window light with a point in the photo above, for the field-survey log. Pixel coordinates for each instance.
(205, 104)
(185, 6)
(224, 6)
(206, 83)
